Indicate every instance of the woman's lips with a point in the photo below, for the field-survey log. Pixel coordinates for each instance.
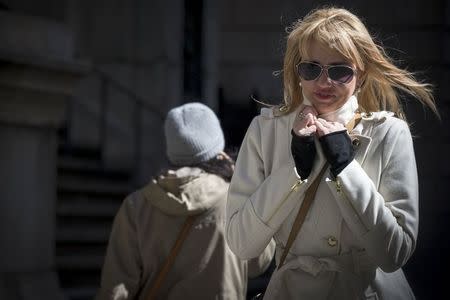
(323, 95)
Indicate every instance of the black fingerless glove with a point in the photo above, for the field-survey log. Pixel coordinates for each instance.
(303, 150)
(338, 149)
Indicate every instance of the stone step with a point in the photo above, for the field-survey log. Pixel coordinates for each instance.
(78, 163)
(65, 149)
(94, 186)
(82, 206)
(91, 167)
(81, 292)
(82, 233)
(88, 199)
(72, 278)
(74, 261)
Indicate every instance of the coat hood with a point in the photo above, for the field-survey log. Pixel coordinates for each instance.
(186, 191)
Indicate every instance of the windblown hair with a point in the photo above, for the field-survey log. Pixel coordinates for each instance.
(380, 80)
(220, 165)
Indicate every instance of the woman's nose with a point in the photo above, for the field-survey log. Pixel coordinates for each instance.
(324, 79)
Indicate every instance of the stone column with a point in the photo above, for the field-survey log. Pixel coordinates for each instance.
(34, 87)
(211, 52)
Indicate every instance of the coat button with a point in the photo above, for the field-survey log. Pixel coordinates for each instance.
(332, 241)
(283, 108)
(356, 142)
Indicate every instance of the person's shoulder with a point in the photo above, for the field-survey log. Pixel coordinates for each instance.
(377, 116)
(269, 117)
(385, 123)
(131, 205)
(382, 117)
(274, 112)
(134, 199)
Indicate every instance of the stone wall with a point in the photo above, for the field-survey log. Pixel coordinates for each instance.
(139, 44)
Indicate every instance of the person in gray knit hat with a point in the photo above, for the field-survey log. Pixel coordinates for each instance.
(193, 134)
(149, 221)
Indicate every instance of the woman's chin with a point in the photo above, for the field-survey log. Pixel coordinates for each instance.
(323, 107)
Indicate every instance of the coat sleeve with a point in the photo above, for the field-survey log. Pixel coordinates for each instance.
(121, 273)
(258, 265)
(258, 203)
(384, 218)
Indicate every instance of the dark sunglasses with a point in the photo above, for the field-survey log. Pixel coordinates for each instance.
(338, 73)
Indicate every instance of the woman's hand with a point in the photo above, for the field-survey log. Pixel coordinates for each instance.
(304, 123)
(324, 127)
(336, 144)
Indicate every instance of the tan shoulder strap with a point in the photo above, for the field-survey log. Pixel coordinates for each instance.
(353, 122)
(171, 258)
(309, 197)
(302, 212)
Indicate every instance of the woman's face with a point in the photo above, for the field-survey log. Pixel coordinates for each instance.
(325, 94)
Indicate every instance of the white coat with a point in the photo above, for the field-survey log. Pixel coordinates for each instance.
(362, 226)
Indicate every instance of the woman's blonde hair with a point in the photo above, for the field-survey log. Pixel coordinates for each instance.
(379, 79)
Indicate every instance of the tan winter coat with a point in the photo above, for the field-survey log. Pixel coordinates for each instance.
(361, 228)
(147, 226)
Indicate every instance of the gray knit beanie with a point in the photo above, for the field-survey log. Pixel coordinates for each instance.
(193, 134)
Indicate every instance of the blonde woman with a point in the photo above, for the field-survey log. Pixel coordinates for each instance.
(341, 127)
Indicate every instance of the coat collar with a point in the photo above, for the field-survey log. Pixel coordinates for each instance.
(342, 115)
(186, 191)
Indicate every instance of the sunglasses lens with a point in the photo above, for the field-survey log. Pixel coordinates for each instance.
(340, 74)
(308, 71)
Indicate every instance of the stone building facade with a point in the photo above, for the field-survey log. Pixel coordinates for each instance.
(84, 86)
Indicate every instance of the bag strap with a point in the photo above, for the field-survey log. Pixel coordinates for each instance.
(302, 212)
(353, 122)
(308, 199)
(171, 258)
